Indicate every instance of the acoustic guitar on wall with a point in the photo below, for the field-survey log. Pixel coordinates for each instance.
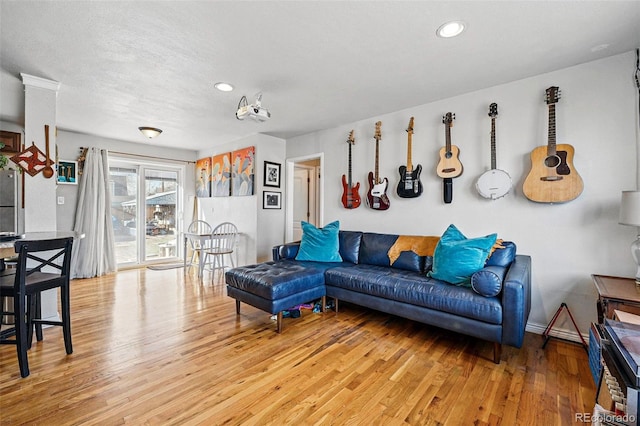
(494, 183)
(409, 185)
(553, 178)
(350, 195)
(377, 197)
(449, 166)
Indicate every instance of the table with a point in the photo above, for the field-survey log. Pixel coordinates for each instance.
(49, 297)
(203, 241)
(616, 293)
(7, 248)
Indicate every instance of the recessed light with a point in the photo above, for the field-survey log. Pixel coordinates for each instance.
(223, 87)
(450, 29)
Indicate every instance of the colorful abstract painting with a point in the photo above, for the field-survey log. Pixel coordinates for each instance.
(242, 171)
(221, 175)
(203, 177)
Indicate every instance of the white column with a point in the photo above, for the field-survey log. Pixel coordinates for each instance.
(40, 102)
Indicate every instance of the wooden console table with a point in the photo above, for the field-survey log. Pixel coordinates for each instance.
(616, 293)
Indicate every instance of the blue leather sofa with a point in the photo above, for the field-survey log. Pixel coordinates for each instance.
(389, 273)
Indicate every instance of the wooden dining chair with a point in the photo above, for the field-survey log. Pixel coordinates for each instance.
(42, 265)
(223, 241)
(197, 227)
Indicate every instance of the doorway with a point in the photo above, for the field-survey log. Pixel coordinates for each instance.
(304, 194)
(145, 203)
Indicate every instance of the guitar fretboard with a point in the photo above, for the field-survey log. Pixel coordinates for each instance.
(493, 143)
(376, 176)
(409, 164)
(350, 182)
(551, 146)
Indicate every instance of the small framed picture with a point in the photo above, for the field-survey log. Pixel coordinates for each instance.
(271, 200)
(67, 172)
(271, 174)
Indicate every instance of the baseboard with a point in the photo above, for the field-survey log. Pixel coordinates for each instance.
(571, 335)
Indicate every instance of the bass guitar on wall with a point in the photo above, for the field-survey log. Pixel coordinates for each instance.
(377, 197)
(494, 183)
(350, 195)
(553, 178)
(449, 166)
(409, 185)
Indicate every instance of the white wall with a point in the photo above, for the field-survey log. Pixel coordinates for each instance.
(567, 242)
(260, 229)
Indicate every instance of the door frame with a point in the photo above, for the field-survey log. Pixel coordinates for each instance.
(290, 166)
(140, 165)
(312, 192)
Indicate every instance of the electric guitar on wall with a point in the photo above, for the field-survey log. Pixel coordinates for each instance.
(494, 183)
(409, 185)
(553, 178)
(377, 197)
(449, 166)
(350, 195)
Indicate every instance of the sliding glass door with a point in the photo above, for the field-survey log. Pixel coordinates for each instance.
(145, 206)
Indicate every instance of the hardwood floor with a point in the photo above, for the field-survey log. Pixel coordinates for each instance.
(159, 347)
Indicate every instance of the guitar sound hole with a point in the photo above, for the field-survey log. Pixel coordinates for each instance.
(449, 154)
(552, 161)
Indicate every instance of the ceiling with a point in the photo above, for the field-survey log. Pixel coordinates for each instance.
(319, 64)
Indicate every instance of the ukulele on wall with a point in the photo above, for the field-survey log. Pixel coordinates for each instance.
(377, 197)
(350, 195)
(494, 183)
(553, 178)
(409, 185)
(449, 166)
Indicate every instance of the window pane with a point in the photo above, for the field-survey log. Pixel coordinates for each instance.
(160, 213)
(124, 189)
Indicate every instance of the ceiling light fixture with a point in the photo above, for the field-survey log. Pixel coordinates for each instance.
(150, 132)
(450, 29)
(223, 87)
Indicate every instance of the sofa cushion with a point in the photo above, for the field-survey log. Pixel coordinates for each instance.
(275, 280)
(487, 281)
(502, 256)
(406, 252)
(320, 244)
(288, 251)
(416, 289)
(374, 248)
(457, 257)
(349, 245)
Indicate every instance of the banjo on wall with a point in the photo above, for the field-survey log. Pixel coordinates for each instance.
(494, 183)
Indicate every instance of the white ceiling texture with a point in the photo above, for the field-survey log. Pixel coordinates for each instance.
(319, 64)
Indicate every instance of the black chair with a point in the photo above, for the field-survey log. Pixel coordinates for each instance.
(26, 286)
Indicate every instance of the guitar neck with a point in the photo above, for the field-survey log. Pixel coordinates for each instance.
(376, 175)
(447, 133)
(551, 146)
(493, 143)
(409, 163)
(350, 181)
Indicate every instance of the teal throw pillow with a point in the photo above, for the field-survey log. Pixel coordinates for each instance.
(457, 257)
(320, 245)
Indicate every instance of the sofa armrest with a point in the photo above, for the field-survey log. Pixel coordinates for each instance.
(516, 301)
(285, 251)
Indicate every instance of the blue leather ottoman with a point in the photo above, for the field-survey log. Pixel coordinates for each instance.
(277, 286)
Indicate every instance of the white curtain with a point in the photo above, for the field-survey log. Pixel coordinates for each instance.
(94, 255)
